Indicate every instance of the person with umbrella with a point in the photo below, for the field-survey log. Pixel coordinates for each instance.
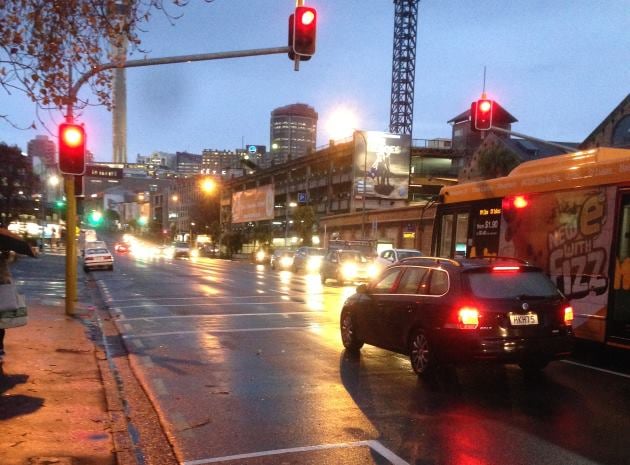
(9, 245)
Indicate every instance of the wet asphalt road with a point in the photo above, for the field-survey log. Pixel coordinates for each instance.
(246, 366)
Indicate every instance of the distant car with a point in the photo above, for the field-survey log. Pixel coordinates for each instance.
(97, 258)
(308, 259)
(122, 247)
(183, 249)
(441, 311)
(347, 266)
(389, 256)
(92, 245)
(281, 259)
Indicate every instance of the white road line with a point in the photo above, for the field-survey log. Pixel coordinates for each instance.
(603, 370)
(212, 297)
(220, 315)
(213, 304)
(374, 445)
(244, 330)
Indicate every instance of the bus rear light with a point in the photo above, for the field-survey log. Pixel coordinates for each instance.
(468, 318)
(568, 316)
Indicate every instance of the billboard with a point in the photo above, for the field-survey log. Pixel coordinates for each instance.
(253, 204)
(381, 164)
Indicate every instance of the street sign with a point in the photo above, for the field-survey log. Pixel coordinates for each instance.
(302, 197)
(100, 171)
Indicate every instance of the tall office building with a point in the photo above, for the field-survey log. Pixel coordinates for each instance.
(293, 132)
(43, 148)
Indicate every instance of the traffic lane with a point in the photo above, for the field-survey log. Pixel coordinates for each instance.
(282, 390)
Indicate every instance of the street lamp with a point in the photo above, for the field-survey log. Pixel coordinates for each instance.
(365, 151)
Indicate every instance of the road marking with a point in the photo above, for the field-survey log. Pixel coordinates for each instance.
(205, 296)
(213, 304)
(603, 370)
(220, 315)
(244, 330)
(374, 445)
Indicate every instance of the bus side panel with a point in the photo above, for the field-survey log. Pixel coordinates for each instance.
(568, 234)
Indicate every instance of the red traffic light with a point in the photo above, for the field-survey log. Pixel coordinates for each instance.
(481, 115)
(71, 148)
(303, 32)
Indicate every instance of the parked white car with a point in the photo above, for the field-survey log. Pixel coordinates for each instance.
(95, 258)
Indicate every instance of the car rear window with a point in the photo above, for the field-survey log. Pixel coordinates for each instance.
(511, 284)
(408, 253)
(96, 251)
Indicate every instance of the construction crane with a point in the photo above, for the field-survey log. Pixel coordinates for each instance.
(403, 66)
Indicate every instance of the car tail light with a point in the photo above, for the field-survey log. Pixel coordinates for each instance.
(568, 316)
(505, 268)
(468, 318)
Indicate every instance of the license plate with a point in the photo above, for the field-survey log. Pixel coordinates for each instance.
(523, 320)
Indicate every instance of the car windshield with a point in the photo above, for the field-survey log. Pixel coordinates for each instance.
(511, 284)
(352, 255)
(315, 252)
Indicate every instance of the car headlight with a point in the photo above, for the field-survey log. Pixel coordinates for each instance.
(260, 255)
(286, 262)
(348, 270)
(373, 270)
(314, 263)
(194, 253)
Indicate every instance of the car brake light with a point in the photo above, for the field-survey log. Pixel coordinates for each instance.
(568, 316)
(505, 268)
(468, 318)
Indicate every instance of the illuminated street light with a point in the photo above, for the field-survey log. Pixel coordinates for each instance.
(341, 123)
(208, 185)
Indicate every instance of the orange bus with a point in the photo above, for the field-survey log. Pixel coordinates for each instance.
(569, 215)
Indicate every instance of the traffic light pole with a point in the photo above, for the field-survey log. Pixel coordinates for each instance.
(71, 249)
(525, 136)
(71, 221)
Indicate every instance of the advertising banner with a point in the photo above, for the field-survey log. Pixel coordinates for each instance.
(381, 164)
(253, 204)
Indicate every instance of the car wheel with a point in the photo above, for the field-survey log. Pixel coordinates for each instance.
(420, 354)
(533, 365)
(340, 280)
(86, 269)
(349, 337)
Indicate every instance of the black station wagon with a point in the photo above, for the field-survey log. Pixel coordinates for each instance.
(444, 311)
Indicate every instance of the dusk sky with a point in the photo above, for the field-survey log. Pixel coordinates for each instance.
(560, 67)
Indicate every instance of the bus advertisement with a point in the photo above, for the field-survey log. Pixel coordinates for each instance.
(569, 215)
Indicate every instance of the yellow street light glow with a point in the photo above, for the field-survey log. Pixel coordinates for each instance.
(341, 123)
(208, 185)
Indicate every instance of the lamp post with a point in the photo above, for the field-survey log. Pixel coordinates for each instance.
(363, 211)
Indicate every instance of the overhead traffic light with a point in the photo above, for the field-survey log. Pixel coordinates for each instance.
(302, 33)
(71, 148)
(481, 114)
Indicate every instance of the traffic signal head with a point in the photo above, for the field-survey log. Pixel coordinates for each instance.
(481, 115)
(302, 32)
(71, 148)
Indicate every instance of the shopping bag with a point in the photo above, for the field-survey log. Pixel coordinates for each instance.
(12, 307)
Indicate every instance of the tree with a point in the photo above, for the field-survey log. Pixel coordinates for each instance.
(303, 221)
(495, 161)
(44, 44)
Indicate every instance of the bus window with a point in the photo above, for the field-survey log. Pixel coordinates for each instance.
(461, 235)
(446, 240)
(620, 292)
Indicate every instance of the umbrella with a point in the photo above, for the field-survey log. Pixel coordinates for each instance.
(10, 241)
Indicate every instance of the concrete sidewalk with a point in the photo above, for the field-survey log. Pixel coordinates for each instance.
(58, 402)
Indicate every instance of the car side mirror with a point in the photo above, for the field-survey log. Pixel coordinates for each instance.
(362, 289)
